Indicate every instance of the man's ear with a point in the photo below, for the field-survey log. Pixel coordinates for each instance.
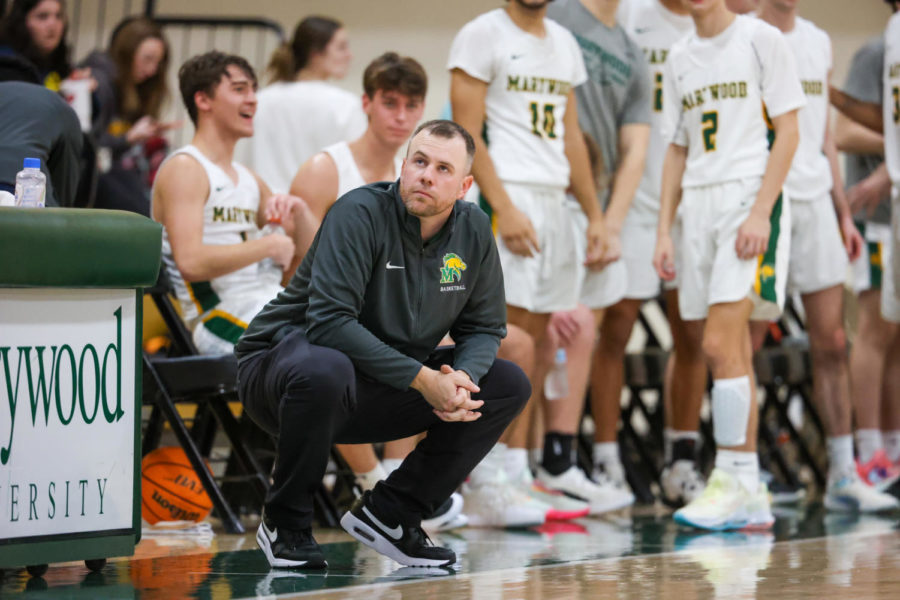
(202, 101)
(465, 186)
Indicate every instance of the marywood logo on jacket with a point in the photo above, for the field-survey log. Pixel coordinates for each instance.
(452, 269)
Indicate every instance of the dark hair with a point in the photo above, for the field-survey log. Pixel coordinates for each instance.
(391, 72)
(145, 98)
(311, 35)
(448, 129)
(14, 33)
(202, 73)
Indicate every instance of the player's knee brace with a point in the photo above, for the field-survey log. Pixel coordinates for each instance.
(731, 410)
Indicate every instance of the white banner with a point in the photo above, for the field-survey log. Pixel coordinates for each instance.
(67, 365)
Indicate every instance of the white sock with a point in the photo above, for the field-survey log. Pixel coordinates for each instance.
(515, 461)
(892, 444)
(668, 440)
(368, 480)
(391, 464)
(742, 465)
(868, 442)
(606, 452)
(492, 468)
(840, 456)
(535, 456)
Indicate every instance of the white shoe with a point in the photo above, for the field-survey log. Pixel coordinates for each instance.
(601, 497)
(450, 517)
(681, 483)
(850, 493)
(501, 504)
(725, 504)
(562, 507)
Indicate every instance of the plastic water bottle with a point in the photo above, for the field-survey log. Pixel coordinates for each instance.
(31, 185)
(269, 270)
(556, 384)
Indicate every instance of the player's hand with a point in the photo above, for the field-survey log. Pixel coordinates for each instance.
(517, 232)
(563, 328)
(598, 250)
(752, 237)
(449, 393)
(853, 241)
(664, 257)
(281, 249)
(866, 194)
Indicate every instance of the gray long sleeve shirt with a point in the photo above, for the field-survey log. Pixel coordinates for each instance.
(373, 289)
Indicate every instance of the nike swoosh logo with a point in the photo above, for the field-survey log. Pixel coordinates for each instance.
(395, 532)
(220, 188)
(272, 535)
(390, 266)
(641, 29)
(516, 56)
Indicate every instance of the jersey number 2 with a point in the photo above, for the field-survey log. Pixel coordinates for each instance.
(710, 122)
(548, 127)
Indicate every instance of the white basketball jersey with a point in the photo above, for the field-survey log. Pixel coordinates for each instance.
(810, 174)
(891, 103)
(229, 217)
(714, 90)
(529, 80)
(349, 177)
(655, 29)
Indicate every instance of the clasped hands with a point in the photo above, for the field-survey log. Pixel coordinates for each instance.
(449, 392)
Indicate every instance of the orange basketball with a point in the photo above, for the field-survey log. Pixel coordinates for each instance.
(170, 488)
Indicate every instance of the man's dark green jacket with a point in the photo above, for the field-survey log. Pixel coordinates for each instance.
(370, 287)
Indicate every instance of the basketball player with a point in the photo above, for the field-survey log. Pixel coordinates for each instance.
(885, 118)
(212, 209)
(718, 166)
(513, 78)
(823, 236)
(393, 100)
(655, 25)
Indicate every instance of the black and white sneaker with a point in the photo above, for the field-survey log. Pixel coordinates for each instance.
(409, 546)
(447, 516)
(287, 548)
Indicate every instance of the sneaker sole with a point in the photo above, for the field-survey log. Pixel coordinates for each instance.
(741, 525)
(611, 506)
(369, 537)
(284, 563)
(852, 506)
(566, 515)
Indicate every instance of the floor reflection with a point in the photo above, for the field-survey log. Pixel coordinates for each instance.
(808, 554)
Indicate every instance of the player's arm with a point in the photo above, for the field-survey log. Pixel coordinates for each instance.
(298, 221)
(317, 182)
(179, 196)
(669, 198)
(467, 99)
(633, 140)
(850, 136)
(582, 183)
(852, 239)
(753, 234)
(864, 113)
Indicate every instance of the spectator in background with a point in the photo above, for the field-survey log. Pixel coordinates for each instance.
(300, 112)
(131, 90)
(36, 31)
(37, 123)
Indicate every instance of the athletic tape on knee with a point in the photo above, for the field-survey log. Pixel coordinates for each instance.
(730, 410)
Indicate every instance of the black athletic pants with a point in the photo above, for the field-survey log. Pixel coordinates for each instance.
(310, 397)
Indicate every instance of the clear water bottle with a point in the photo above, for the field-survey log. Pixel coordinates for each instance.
(269, 270)
(556, 384)
(31, 185)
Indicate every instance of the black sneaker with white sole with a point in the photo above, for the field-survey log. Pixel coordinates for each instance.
(288, 548)
(409, 546)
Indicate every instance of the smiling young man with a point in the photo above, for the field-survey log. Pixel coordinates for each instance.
(719, 86)
(346, 354)
(212, 209)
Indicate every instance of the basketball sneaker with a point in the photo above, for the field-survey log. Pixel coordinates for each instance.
(850, 493)
(447, 516)
(562, 507)
(500, 503)
(601, 497)
(681, 483)
(726, 504)
(611, 473)
(287, 548)
(879, 471)
(408, 545)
